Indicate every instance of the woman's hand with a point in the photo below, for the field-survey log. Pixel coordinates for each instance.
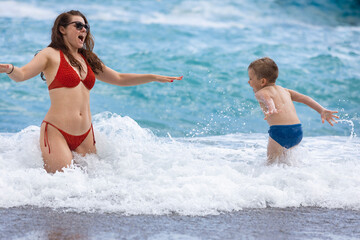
(163, 79)
(6, 68)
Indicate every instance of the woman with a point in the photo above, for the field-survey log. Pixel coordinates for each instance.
(70, 68)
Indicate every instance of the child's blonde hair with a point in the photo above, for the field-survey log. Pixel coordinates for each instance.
(265, 68)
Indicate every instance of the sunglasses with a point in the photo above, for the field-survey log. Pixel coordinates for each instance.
(79, 25)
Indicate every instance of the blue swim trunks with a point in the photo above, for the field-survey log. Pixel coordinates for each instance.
(286, 135)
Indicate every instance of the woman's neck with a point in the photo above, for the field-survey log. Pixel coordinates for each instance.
(72, 50)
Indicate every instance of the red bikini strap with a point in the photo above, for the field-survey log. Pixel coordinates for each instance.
(46, 137)
(61, 54)
(92, 129)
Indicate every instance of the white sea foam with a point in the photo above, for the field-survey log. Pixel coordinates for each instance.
(15, 9)
(207, 14)
(200, 14)
(136, 172)
(217, 14)
(187, 13)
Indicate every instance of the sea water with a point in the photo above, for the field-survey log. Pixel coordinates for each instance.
(196, 146)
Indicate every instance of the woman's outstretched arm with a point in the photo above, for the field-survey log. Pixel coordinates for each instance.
(30, 70)
(109, 75)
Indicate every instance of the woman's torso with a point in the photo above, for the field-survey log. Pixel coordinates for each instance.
(70, 98)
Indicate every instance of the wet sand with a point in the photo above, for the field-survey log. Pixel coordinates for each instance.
(269, 223)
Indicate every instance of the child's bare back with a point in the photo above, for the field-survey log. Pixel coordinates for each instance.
(283, 105)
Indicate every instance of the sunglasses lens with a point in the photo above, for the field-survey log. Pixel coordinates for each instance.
(80, 26)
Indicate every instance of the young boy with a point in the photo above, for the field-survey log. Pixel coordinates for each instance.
(277, 104)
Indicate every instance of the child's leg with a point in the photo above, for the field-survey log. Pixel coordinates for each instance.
(274, 151)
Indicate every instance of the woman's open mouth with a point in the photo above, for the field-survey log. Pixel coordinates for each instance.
(82, 38)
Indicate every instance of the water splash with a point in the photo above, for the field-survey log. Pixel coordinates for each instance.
(136, 172)
(351, 125)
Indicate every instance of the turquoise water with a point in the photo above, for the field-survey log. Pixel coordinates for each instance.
(195, 147)
(211, 43)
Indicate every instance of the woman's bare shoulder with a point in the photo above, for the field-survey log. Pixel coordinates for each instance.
(49, 51)
(50, 54)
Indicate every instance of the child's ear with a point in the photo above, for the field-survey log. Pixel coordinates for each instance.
(264, 81)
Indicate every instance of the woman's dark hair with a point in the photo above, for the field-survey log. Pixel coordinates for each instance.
(57, 42)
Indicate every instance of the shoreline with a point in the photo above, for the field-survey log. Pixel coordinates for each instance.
(268, 223)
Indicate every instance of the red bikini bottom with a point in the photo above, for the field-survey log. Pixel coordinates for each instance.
(73, 141)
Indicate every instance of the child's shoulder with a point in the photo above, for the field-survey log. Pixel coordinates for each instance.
(272, 91)
(264, 92)
(278, 88)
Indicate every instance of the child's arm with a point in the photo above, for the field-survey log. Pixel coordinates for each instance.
(326, 114)
(267, 104)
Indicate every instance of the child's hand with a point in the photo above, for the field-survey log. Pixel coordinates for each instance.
(328, 116)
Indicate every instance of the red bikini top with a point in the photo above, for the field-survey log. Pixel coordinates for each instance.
(67, 77)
